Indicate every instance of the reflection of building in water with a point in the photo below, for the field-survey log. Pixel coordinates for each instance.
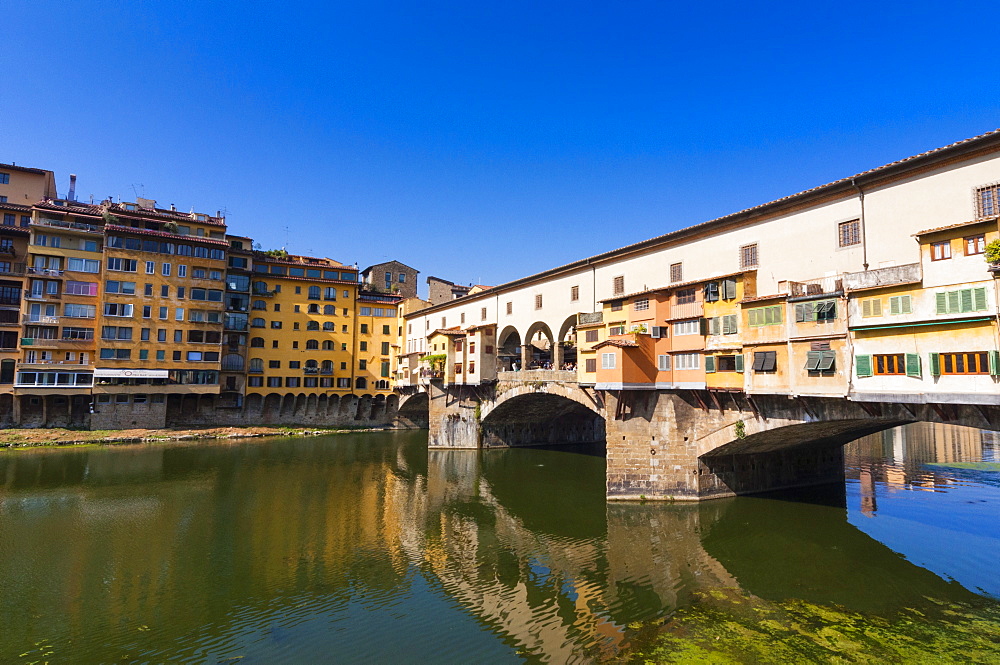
(898, 457)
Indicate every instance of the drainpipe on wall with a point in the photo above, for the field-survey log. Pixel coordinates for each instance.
(864, 237)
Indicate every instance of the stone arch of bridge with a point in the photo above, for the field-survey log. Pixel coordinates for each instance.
(527, 415)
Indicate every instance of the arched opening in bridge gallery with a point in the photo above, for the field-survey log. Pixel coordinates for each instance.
(565, 348)
(508, 349)
(414, 412)
(537, 351)
(541, 419)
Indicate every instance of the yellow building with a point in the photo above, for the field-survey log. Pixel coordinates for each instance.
(23, 186)
(724, 361)
(377, 341)
(302, 326)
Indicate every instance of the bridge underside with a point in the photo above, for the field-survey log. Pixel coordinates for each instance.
(684, 445)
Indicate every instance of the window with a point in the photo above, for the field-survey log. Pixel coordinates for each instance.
(117, 309)
(276, 325)
(890, 363)
(676, 272)
(764, 316)
(940, 250)
(987, 204)
(510, 308)
(748, 256)
(976, 362)
(724, 363)
(616, 305)
(161, 355)
(274, 382)
(687, 328)
(617, 330)
(590, 365)
(849, 233)
(899, 305)
(482, 313)
(686, 360)
(116, 354)
(872, 307)
(618, 285)
(962, 300)
(641, 305)
(822, 311)
(257, 342)
(722, 325)
(765, 361)
(116, 333)
(314, 292)
(83, 265)
(362, 364)
(182, 270)
(975, 244)
(81, 288)
(538, 301)
(125, 288)
(712, 292)
(163, 313)
(663, 363)
(4, 178)
(590, 335)
(122, 265)
(685, 297)
(818, 362)
(607, 361)
(161, 334)
(574, 293)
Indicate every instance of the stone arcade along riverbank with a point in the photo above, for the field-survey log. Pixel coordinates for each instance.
(367, 547)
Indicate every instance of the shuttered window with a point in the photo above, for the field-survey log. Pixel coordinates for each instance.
(764, 316)
(676, 273)
(618, 285)
(900, 305)
(591, 335)
(729, 289)
(709, 364)
(871, 307)
(962, 300)
(820, 361)
(590, 365)
(663, 363)
(974, 362)
(765, 361)
(711, 292)
(607, 361)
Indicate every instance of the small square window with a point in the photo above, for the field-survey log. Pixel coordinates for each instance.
(748, 256)
(941, 250)
(676, 272)
(849, 233)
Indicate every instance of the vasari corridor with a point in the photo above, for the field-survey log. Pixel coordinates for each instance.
(469, 333)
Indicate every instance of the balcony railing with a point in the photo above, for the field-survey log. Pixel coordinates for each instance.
(328, 372)
(76, 226)
(311, 370)
(48, 272)
(261, 292)
(7, 249)
(14, 269)
(44, 320)
(909, 273)
(34, 295)
(815, 287)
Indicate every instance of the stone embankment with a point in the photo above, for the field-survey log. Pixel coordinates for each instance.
(26, 438)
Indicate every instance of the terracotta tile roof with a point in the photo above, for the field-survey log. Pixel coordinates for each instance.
(115, 228)
(118, 210)
(24, 169)
(379, 298)
(616, 341)
(992, 220)
(480, 327)
(75, 208)
(776, 296)
(451, 332)
(678, 285)
(15, 206)
(300, 260)
(14, 230)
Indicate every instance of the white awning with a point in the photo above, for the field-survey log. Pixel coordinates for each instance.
(131, 373)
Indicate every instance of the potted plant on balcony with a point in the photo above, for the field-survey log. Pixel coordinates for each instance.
(638, 329)
(992, 255)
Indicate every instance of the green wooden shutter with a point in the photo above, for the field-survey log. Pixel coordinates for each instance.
(876, 307)
(777, 313)
(994, 363)
(734, 324)
(709, 364)
(864, 365)
(753, 317)
(714, 325)
(906, 306)
(979, 296)
(894, 305)
(913, 365)
(800, 313)
(941, 300)
(739, 362)
(729, 286)
(935, 359)
(966, 297)
(954, 302)
(866, 307)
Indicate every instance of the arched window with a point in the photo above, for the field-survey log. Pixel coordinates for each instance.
(361, 383)
(311, 364)
(258, 323)
(232, 362)
(259, 304)
(329, 310)
(327, 345)
(313, 309)
(314, 293)
(312, 325)
(381, 384)
(328, 325)
(257, 342)
(312, 344)
(260, 287)
(256, 365)
(326, 367)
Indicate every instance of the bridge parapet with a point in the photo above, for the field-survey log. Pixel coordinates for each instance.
(536, 375)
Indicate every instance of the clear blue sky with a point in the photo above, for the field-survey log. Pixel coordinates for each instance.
(482, 142)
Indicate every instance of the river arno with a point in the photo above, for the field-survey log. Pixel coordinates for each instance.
(369, 548)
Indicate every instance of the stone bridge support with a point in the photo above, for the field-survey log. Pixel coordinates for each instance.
(679, 445)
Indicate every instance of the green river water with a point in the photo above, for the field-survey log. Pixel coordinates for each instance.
(368, 548)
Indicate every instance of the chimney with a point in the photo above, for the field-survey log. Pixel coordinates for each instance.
(173, 208)
(72, 188)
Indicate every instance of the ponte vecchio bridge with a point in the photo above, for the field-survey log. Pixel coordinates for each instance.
(740, 354)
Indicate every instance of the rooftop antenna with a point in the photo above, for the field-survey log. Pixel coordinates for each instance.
(141, 186)
(286, 239)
